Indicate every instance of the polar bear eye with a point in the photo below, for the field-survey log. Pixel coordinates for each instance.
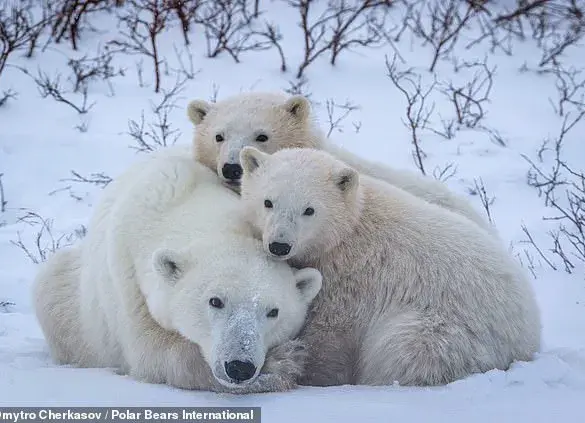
(215, 302)
(309, 211)
(268, 204)
(262, 138)
(219, 138)
(272, 313)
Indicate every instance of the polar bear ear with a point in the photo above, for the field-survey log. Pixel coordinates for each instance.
(251, 159)
(308, 282)
(197, 110)
(298, 106)
(169, 264)
(347, 180)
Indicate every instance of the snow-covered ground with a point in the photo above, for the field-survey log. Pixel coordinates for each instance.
(41, 143)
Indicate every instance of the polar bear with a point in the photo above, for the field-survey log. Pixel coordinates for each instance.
(271, 121)
(412, 292)
(169, 287)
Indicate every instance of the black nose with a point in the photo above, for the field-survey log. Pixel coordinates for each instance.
(279, 248)
(231, 171)
(239, 370)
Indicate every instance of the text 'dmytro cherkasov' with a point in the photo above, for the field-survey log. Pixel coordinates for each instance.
(131, 414)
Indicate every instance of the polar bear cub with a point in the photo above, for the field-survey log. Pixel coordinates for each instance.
(273, 121)
(169, 287)
(412, 292)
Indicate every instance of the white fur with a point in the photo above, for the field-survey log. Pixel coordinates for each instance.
(412, 292)
(287, 123)
(135, 294)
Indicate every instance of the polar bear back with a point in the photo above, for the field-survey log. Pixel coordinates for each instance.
(183, 200)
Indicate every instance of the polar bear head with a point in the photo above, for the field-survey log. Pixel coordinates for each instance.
(267, 121)
(232, 300)
(301, 201)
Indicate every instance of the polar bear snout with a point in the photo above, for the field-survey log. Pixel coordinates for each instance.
(279, 249)
(232, 171)
(239, 371)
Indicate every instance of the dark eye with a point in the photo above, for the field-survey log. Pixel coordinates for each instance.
(268, 204)
(219, 138)
(309, 211)
(272, 313)
(215, 302)
(262, 138)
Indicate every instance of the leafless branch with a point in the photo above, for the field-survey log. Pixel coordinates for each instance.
(486, 200)
(99, 179)
(51, 87)
(186, 11)
(443, 174)
(563, 188)
(440, 23)
(299, 87)
(159, 133)
(334, 119)
(538, 250)
(44, 242)
(144, 21)
(273, 36)
(229, 28)
(87, 69)
(18, 28)
(7, 95)
(417, 112)
(468, 99)
(3, 201)
(570, 85)
(342, 26)
(70, 14)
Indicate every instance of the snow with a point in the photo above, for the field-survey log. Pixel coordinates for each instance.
(39, 146)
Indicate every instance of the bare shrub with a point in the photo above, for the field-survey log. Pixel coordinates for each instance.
(272, 36)
(186, 11)
(44, 242)
(18, 28)
(7, 95)
(337, 113)
(555, 26)
(445, 173)
(563, 189)
(229, 28)
(99, 179)
(418, 112)
(143, 21)
(469, 99)
(440, 24)
(343, 25)
(186, 70)
(70, 15)
(158, 133)
(87, 69)
(486, 201)
(299, 87)
(3, 201)
(570, 85)
(51, 87)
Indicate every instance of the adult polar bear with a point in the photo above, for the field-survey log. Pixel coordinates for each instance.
(274, 121)
(411, 292)
(170, 288)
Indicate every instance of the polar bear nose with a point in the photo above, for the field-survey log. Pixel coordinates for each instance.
(232, 171)
(279, 248)
(240, 370)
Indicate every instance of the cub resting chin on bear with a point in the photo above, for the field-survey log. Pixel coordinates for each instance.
(169, 287)
(412, 292)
